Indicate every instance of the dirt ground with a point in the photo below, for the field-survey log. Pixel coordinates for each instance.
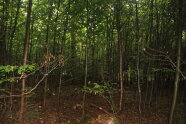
(68, 110)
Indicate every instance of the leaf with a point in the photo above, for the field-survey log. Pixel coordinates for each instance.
(1, 81)
(11, 80)
(21, 69)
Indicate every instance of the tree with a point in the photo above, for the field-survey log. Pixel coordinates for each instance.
(131, 45)
(48, 27)
(3, 31)
(138, 60)
(120, 47)
(179, 6)
(26, 46)
(86, 56)
(13, 31)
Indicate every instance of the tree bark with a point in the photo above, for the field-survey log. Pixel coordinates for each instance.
(179, 40)
(120, 45)
(55, 30)
(3, 31)
(65, 28)
(86, 58)
(138, 62)
(47, 50)
(13, 32)
(26, 46)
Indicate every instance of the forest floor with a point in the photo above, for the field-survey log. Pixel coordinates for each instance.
(69, 110)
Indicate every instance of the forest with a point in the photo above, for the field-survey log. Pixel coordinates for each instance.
(92, 61)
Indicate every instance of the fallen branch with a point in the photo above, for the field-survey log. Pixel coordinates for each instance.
(100, 108)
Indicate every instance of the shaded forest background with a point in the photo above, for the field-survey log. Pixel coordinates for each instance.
(136, 45)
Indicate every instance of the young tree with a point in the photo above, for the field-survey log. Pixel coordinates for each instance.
(120, 45)
(47, 48)
(138, 60)
(13, 31)
(26, 47)
(3, 30)
(179, 6)
(86, 56)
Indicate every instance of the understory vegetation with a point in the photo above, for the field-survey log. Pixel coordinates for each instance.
(92, 61)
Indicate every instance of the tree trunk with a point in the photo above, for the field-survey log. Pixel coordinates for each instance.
(65, 28)
(138, 62)
(179, 40)
(86, 59)
(3, 31)
(26, 46)
(47, 51)
(55, 30)
(120, 45)
(13, 32)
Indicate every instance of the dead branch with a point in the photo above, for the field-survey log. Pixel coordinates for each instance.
(100, 108)
(166, 58)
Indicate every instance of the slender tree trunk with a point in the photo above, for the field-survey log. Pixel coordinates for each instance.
(73, 49)
(86, 59)
(3, 31)
(176, 84)
(13, 32)
(147, 85)
(151, 41)
(31, 55)
(26, 46)
(65, 28)
(138, 62)
(59, 89)
(56, 24)
(47, 50)
(120, 45)
(113, 50)
(151, 88)
(179, 40)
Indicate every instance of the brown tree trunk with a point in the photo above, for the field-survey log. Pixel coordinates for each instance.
(65, 28)
(26, 46)
(86, 58)
(138, 61)
(120, 45)
(13, 32)
(47, 50)
(3, 31)
(56, 25)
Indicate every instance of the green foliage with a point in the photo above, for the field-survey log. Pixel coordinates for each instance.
(162, 70)
(7, 69)
(26, 68)
(131, 72)
(99, 89)
(5, 72)
(11, 80)
(1, 81)
(105, 90)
